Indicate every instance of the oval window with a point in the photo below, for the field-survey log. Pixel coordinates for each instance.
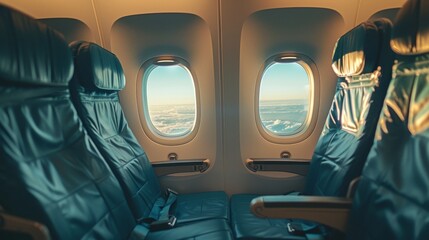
(284, 97)
(169, 99)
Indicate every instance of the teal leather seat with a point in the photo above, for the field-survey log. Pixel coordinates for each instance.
(392, 200)
(51, 171)
(95, 90)
(362, 60)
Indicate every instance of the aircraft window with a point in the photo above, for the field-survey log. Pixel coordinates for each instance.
(284, 96)
(169, 100)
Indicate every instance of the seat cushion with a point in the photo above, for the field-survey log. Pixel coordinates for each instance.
(194, 206)
(215, 229)
(246, 225)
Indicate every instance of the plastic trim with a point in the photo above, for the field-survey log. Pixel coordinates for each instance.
(313, 80)
(182, 166)
(150, 130)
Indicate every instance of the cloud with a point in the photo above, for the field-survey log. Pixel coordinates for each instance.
(173, 120)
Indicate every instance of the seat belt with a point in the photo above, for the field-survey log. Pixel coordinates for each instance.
(166, 209)
(165, 218)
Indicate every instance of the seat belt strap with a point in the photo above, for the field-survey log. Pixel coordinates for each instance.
(166, 209)
(165, 218)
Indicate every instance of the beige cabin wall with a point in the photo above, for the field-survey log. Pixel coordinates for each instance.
(225, 42)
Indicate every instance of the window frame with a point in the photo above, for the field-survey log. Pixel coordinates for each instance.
(313, 81)
(148, 127)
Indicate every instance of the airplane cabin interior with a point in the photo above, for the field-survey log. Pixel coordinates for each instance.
(214, 119)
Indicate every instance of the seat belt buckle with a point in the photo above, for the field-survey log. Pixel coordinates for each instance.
(295, 228)
(171, 191)
(163, 224)
(290, 229)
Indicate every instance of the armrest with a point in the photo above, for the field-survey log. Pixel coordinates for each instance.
(181, 166)
(330, 211)
(278, 165)
(36, 230)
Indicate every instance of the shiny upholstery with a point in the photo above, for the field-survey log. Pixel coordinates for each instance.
(349, 130)
(411, 32)
(43, 61)
(356, 51)
(50, 169)
(96, 64)
(392, 200)
(96, 98)
(102, 116)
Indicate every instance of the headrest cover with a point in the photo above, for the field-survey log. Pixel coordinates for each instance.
(95, 67)
(411, 32)
(31, 52)
(356, 52)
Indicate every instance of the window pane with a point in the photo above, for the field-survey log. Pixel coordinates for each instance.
(284, 96)
(170, 100)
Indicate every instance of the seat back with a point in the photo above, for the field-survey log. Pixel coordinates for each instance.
(392, 200)
(362, 60)
(50, 171)
(97, 80)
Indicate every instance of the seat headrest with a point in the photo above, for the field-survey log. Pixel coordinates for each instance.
(356, 52)
(411, 32)
(96, 68)
(31, 52)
